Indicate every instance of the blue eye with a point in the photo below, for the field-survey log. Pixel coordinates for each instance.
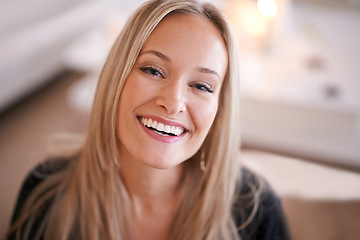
(203, 87)
(154, 71)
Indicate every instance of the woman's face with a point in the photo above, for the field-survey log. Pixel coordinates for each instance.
(170, 98)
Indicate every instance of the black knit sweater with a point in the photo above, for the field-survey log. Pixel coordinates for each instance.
(268, 224)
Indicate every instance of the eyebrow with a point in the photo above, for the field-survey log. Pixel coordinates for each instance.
(207, 70)
(166, 58)
(157, 53)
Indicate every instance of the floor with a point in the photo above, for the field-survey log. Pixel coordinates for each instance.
(320, 203)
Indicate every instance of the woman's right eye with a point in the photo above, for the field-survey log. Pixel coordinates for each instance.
(154, 71)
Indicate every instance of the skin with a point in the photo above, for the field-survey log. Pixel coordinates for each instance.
(177, 77)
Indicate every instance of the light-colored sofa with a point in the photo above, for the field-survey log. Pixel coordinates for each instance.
(34, 35)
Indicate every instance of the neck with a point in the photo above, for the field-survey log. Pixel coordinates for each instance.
(154, 198)
(150, 187)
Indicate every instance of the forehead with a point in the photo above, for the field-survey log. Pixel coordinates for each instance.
(191, 25)
(189, 38)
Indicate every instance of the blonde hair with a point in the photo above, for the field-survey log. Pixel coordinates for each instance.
(89, 198)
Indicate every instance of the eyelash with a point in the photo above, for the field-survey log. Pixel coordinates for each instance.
(157, 72)
(153, 71)
(203, 87)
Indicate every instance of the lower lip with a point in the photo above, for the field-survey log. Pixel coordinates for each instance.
(161, 138)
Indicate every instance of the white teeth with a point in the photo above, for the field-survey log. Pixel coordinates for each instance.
(172, 129)
(149, 122)
(167, 128)
(154, 124)
(162, 127)
(177, 131)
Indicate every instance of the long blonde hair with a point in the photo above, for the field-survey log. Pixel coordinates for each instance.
(89, 197)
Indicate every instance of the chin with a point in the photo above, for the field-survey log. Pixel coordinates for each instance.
(162, 164)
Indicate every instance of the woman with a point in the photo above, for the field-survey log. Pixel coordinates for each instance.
(160, 158)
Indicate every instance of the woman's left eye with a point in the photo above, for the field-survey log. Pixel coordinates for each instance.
(203, 87)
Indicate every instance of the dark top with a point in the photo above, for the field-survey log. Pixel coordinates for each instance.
(268, 224)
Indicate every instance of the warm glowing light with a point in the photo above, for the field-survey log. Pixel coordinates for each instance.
(267, 8)
(254, 24)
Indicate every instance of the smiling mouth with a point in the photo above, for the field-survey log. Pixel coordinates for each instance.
(161, 128)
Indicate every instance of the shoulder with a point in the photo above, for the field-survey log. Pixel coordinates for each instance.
(257, 210)
(48, 168)
(34, 179)
(41, 172)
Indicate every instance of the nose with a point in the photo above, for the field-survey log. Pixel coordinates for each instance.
(171, 97)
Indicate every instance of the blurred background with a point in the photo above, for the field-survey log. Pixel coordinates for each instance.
(300, 68)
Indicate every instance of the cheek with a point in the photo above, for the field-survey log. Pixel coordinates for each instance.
(136, 91)
(127, 102)
(205, 115)
(131, 95)
(129, 91)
